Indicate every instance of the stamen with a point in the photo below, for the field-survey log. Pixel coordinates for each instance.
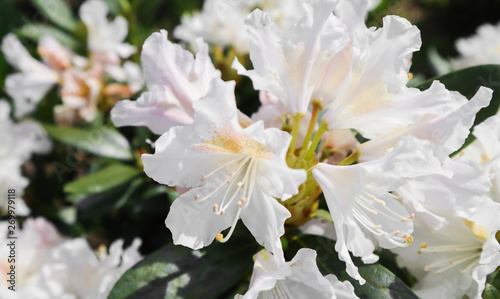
(220, 237)
(205, 176)
(238, 188)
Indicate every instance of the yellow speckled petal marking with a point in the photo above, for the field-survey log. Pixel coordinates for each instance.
(227, 140)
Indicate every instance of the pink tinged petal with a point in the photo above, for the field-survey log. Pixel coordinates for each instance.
(152, 109)
(54, 54)
(171, 68)
(35, 80)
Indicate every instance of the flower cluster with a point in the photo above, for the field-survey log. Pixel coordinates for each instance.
(50, 266)
(324, 80)
(84, 81)
(342, 146)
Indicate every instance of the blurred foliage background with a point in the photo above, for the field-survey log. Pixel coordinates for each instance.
(106, 196)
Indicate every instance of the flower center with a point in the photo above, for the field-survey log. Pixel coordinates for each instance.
(227, 140)
(239, 184)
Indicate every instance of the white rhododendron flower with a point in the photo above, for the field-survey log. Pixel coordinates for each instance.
(371, 94)
(362, 206)
(82, 273)
(33, 81)
(461, 189)
(237, 172)
(299, 278)
(454, 261)
(33, 248)
(222, 22)
(105, 38)
(290, 65)
(175, 80)
(50, 266)
(484, 152)
(446, 124)
(14, 151)
(79, 92)
(481, 48)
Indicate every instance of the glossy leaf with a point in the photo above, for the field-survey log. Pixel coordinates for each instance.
(103, 180)
(36, 31)
(57, 11)
(178, 272)
(490, 292)
(100, 141)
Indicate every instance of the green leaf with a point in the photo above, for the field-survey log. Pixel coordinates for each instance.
(101, 141)
(380, 282)
(36, 31)
(467, 82)
(490, 292)
(494, 279)
(57, 11)
(178, 272)
(114, 7)
(103, 180)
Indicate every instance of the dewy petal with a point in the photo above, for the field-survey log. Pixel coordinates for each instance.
(35, 80)
(288, 65)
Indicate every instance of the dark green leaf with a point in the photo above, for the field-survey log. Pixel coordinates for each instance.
(114, 6)
(467, 82)
(100, 141)
(178, 272)
(57, 11)
(36, 31)
(103, 180)
(490, 292)
(380, 282)
(494, 279)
